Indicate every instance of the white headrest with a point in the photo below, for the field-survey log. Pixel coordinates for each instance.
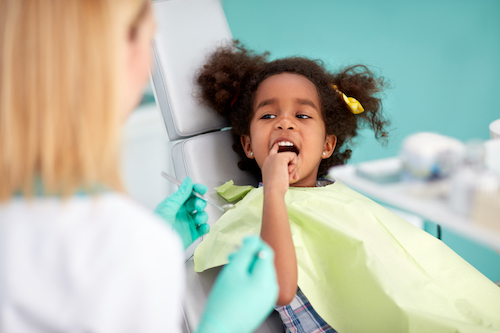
(188, 30)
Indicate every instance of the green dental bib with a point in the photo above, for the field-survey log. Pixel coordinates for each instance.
(363, 268)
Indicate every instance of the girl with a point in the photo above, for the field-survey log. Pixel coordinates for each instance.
(76, 254)
(342, 261)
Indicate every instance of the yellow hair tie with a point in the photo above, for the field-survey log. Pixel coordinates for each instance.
(351, 102)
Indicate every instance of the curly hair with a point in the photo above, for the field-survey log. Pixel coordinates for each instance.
(233, 73)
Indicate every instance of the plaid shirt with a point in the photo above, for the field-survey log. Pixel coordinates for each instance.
(300, 317)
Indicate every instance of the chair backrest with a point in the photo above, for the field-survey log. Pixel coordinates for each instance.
(188, 30)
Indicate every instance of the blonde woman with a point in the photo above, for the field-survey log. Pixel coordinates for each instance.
(77, 255)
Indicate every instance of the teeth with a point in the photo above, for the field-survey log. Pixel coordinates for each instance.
(285, 143)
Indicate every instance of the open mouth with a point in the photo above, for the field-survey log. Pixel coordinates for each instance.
(285, 146)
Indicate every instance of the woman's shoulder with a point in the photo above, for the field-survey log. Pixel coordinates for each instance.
(112, 215)
(120, 211)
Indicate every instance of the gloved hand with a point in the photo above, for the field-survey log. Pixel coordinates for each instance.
(185, 212)
(245, 291)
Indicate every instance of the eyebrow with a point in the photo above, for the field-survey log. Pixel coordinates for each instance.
(300, 101)
(266, 102)
(306, 102)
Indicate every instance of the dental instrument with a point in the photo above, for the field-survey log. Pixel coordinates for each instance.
(222, 208)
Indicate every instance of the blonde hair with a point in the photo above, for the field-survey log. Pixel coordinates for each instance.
(60, 116)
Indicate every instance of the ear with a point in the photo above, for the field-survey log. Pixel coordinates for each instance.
(247, 146)
(329, 146)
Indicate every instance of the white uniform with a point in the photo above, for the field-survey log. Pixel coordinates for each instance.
(88, 264)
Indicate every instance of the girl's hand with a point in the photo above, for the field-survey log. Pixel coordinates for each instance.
(278, 170)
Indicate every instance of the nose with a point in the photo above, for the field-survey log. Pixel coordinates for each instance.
(285, 123)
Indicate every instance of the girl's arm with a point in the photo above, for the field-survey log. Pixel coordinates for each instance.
(277, 171)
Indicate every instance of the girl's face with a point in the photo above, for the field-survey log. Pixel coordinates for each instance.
(287, 110)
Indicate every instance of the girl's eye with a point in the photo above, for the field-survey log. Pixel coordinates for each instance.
(268, 116)
(303, 116)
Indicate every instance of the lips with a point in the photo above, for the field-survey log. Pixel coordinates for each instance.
(287, 146)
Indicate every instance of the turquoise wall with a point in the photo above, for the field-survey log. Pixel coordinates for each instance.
(442, 58)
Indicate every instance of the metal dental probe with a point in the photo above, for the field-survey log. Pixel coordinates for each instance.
(222, 208)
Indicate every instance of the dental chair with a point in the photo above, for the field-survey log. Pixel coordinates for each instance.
(188, 30)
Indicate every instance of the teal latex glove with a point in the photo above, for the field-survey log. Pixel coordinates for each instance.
(245, 291)
(185, 212)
